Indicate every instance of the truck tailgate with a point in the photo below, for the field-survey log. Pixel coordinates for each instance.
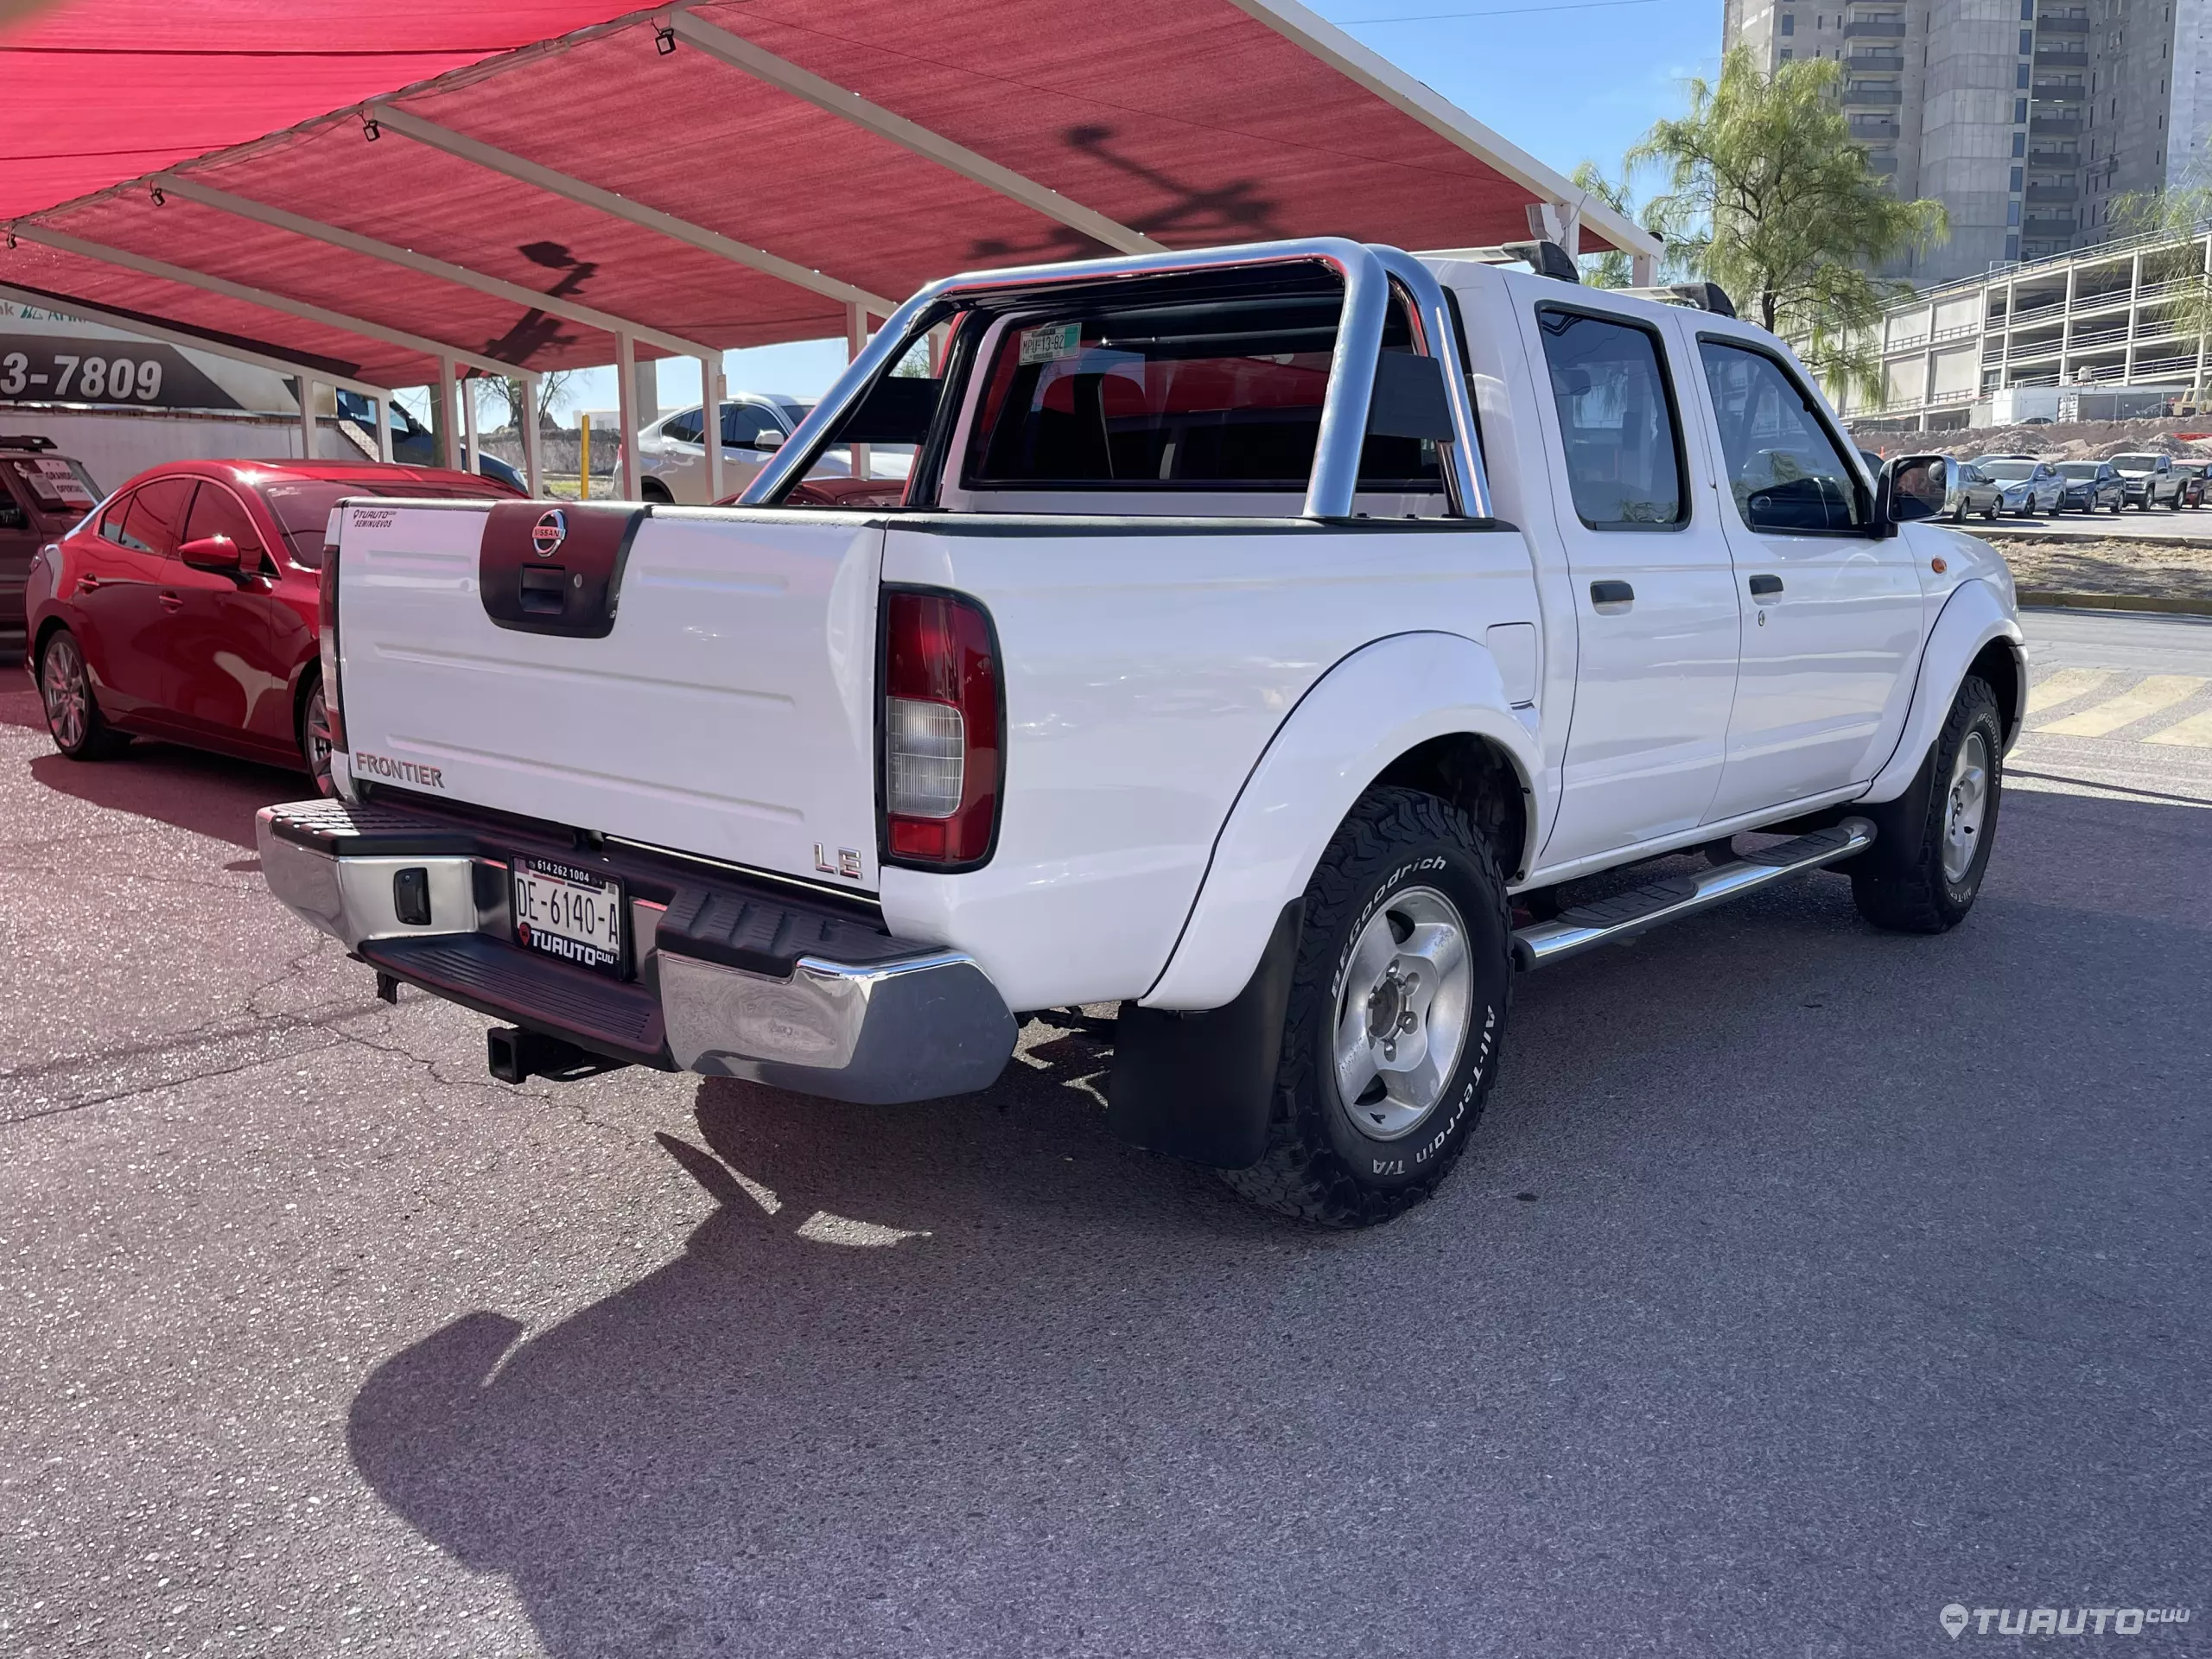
(727, 708)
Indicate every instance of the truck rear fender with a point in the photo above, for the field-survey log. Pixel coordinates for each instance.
(1976, 632)
(1400, 700)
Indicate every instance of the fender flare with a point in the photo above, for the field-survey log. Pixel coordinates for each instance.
(1973, 617)
(1375, 705)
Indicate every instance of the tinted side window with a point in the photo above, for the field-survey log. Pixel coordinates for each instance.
(1783, 468)
(1623, 454)
(742, 423)
(216, 511)
(113, 521)
(12, 516)
(687, 427)
(157, 521)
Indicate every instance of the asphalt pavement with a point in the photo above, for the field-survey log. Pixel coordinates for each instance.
(1801, 1280)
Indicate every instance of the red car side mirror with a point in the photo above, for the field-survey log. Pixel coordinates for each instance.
(210, 553)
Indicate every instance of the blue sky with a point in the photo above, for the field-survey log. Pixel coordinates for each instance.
(1563, 81)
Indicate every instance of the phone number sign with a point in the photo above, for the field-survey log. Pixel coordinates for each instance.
(56, 369)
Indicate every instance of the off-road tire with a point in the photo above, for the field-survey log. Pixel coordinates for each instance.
(1319, 1166)
(1899, 884)
(79, 730)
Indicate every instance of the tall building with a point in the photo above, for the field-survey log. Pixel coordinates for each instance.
(2026, 119)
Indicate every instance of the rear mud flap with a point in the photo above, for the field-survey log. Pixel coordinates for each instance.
(1201, 1086)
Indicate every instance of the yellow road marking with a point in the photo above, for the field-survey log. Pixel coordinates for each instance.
(2139, 702)
(2196, 732)
(2064, 686)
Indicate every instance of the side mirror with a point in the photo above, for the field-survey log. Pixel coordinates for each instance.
(1914, 486)
(769, 442)
(211, 553)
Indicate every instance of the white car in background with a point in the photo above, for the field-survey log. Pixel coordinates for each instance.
(673, 451)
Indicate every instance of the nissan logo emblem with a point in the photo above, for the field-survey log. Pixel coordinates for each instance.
(549, 532)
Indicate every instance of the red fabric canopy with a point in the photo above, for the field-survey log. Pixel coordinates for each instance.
(1192, 123)
(99, 90)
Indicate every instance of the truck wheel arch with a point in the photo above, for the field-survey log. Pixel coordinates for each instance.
(1429, 710)
(1974, 634)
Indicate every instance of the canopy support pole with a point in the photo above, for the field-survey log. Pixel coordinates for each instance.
(526, 419)
(711, 414)
(446, 457)
(626, 376)
(856, 343)
(541, 177)
(1643, 271)
(471, 451)
(382, 403)
(306, 417)
(762, 64)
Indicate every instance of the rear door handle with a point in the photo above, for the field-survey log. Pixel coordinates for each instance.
(1765, 587)
(1612, 595)
(171, 599)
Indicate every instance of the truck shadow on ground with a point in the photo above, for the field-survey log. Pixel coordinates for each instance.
(974, 1377)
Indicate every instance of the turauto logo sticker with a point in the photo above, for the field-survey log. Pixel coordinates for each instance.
(2055, 1621)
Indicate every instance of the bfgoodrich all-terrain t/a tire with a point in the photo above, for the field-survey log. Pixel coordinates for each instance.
(1397, 1011)
(1925, 867)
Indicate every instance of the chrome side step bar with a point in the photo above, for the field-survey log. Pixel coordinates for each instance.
(1625, 915)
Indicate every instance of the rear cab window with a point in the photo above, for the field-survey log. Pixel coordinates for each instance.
(1183, 394)
(1212, 397)
(1617, 420)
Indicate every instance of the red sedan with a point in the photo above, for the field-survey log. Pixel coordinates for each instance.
(185, 608)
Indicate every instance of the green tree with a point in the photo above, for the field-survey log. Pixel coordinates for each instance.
(1611, 269)
(2181, 211)
(1770, 196)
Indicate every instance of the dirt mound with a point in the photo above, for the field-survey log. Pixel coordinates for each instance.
(2072, 441)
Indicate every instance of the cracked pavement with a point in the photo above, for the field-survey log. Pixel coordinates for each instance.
(1801, 1281)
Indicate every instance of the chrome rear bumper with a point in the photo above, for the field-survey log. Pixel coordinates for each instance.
(862, 1017)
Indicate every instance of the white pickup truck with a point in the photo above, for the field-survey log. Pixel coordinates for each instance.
(1259, 640)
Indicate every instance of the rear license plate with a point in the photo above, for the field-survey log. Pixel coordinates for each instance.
(573, 914)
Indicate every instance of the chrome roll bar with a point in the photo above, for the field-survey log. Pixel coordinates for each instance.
(1368, 274)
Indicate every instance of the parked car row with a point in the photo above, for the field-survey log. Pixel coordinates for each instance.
(187, 606)
(2026, 485)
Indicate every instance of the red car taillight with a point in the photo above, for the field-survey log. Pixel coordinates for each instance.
(327, 626)
(942, 745)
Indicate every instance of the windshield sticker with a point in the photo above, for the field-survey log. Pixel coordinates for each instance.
(55, 484)
(1054, 344)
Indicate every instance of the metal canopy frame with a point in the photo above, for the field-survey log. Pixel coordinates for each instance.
(557, 183)
(740, 53)
(188, 188)
(1561, 206)
(63, 242)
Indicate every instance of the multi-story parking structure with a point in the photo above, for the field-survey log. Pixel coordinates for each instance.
(2025, 340)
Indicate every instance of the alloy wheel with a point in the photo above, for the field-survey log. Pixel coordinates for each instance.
(1402, 1007)
(1964, 809)
(67, 695)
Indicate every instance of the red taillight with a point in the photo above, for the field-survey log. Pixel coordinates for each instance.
(326, 619)
(940, 740)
